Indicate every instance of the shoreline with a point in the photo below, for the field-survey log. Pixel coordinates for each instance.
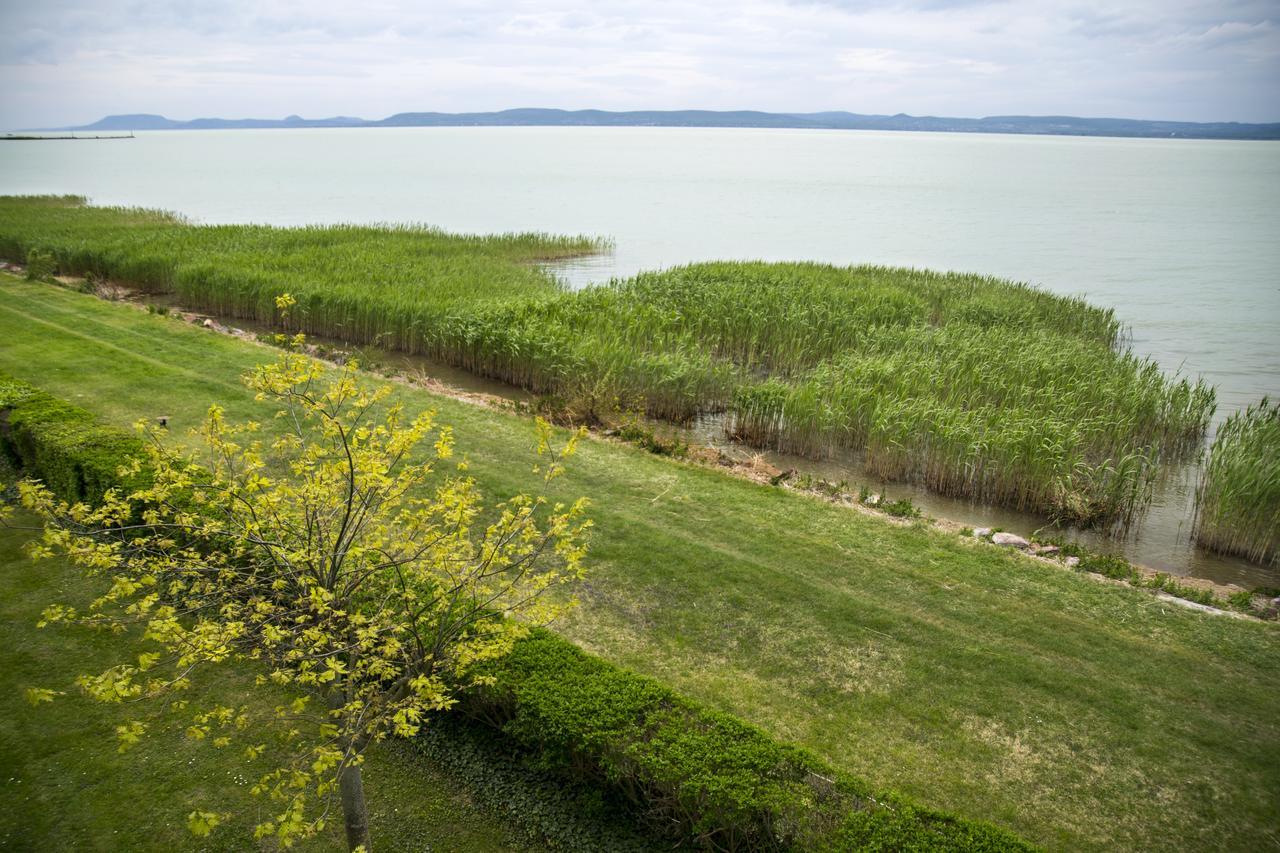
(755, 469)
(36, 138)
(867, 643)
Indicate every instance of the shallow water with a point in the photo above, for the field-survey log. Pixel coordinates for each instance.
(1179, 236)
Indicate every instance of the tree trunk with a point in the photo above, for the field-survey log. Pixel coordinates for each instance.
(354, 813)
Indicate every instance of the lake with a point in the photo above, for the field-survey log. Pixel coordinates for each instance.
(1179, 236)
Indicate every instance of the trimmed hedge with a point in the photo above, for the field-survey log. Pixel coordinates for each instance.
(545, 807)
(704, 777)
(63, 445)
(696, 776)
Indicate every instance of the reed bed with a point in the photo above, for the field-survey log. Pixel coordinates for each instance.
(1238, 496)
(394, 285)
(974, 386)
(727, 321)
(1048, 423)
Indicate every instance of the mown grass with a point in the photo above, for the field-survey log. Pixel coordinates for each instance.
(973, 386)
(1238, 497)
(64, 786)
(1084, 716)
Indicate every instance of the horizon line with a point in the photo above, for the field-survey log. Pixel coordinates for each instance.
(1019, 124)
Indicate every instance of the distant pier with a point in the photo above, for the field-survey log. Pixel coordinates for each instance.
(31, 137)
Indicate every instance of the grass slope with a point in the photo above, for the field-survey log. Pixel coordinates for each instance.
(1080, 714)
(65, 787)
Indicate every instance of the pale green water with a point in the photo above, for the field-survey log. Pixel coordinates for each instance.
(1180, 237)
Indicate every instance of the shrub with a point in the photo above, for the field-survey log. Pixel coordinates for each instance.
(1241, 600)
(1108, 565)
(61, 444)
(41, 265)
(547, 807)
(712, 780)
(633, 432)
(901, 508)
(903, 828)
(1165, 583)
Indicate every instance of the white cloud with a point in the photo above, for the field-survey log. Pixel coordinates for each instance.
(70, 61)
(874, 60)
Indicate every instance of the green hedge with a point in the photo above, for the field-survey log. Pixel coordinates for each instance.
(702, 778)
(543, 806)
(710, 779)
(61, 444)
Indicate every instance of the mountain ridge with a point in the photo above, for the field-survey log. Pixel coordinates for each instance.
(827, 120)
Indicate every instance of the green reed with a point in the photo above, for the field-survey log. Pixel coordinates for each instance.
(395, 284)
(1045, 422)
(973, 386)
(1238, 496)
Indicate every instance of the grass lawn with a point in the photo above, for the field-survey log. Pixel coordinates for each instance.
(65, 787)
(1080, 714)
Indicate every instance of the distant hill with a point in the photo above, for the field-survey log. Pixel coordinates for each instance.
(147, 121)
(1052, 125)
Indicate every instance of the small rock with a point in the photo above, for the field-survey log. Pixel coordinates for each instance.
(1072, 562)
(1046, 550)
(208, 324)
(873, 500)
(981, 532)
(1009, 539)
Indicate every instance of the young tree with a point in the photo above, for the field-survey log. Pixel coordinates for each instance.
(330, 555)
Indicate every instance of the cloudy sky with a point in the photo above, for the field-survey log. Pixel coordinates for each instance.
(73, 61)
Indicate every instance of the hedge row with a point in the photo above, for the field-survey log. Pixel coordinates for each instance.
(703, 777)
(63, 445)
(539, 804)
(698, 777)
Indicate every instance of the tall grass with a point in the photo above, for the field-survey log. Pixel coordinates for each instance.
(973, 386)
(1238, 497)
(1048, 422)
(395, 285)
(671, 335)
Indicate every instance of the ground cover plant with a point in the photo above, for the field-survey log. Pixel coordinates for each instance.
(1238, 497)
(967, 678)
(972, 386)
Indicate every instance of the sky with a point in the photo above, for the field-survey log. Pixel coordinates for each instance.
(68, 62)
